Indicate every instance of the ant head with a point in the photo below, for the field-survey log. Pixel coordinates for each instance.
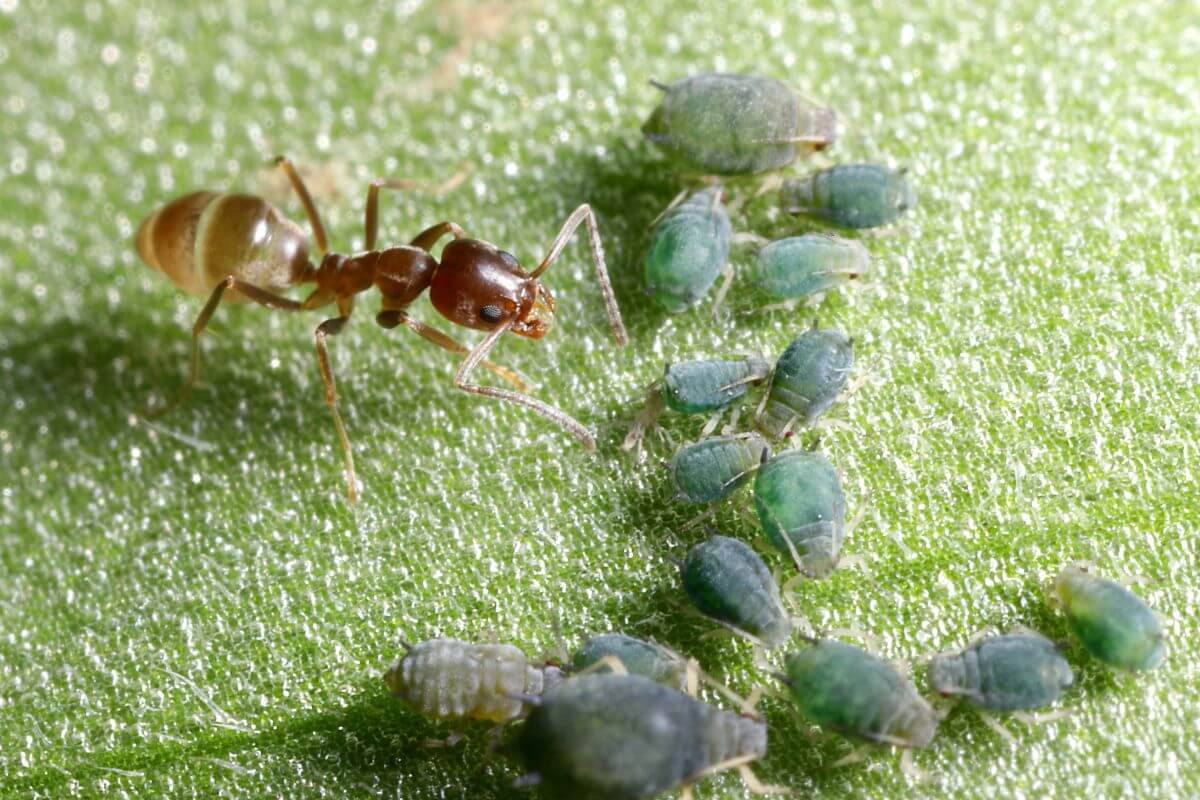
(479, 286)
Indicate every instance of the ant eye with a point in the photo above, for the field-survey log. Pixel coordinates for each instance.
(491, 314)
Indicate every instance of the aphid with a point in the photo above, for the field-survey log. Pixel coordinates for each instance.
(849, 195)
(1003, 673)
(844, 688)
(737, 124)
(808, 265)
(1113, 624)
(452, 679)
(728, 583)
(638, 657)
(712, 469)
(689, 247)
(238, 247)
(807, 380)
(799, 499)
(697, 387)
(625, 737)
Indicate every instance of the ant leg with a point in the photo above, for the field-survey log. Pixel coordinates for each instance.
(260, 296)
(427, 238)
(392, 317)
(310, 210)
(551, 413)
(332, 327)
(371, 226)
(579, 216)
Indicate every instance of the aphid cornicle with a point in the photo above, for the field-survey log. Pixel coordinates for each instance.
(1003, 673)
(737, 124)
(807, 379)
(238, 247)
(625, 737)
(808, 265)
(849, 195)
(697, 387)
(845, 688)
(712, 469)
(689, 247)
(728, 583)
(637, 656)
(799, 500)
(1113, 624)
(452, 679)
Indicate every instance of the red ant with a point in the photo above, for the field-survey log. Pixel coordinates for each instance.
(239, 246)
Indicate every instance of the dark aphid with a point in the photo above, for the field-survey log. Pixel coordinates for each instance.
(452, 679)
(728, 583)
(799, 499)
(808, 265)
(712, 469)
(849, 195)
(625, 737)
(639, 657)
(697, 387)
(689, 247)
(1113, 624)
(737, 124)
(844, 688)
(1003, 673)
(807, 380)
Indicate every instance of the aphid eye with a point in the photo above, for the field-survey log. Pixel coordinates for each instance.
(491, 314)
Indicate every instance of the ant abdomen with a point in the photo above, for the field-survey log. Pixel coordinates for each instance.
(202, 238)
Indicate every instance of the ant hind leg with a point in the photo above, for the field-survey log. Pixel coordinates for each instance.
(332, 327)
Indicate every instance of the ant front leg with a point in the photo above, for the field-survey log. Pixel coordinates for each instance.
(390, 318)
(558, 417)
(332, 327)
(579, 216)
(260, 296)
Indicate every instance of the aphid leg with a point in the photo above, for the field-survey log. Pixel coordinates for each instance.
(993, 723)
(758, 787)
(332, 327)
(699, 519)
(726, 692)
(786, 305)
(869, 640)
(610, 662)
(391, 318)
(853, 757)
(909, 767)
(649, 413)
(726, 282)
(408, 648)
(858, 517)
(545, 410)
(260, 296)
(710, 425)
(827, 424)
(310, 209)
(676, 200)
(686, 793)
(1044, 717)
(451, 740)
(733, 420)
(426, 239)
(579, 216)
(692, 671)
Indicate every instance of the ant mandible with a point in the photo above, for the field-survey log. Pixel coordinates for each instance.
(239, 246)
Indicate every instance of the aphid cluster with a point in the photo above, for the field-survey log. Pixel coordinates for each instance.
(728, 126)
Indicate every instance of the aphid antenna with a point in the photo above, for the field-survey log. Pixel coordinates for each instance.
(657, 84)
(408, 646)
(782, 678)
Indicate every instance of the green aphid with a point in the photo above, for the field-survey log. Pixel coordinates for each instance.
(688, 249)
(712, 469)
(638, 657)
(1003, 673)
(737, 124)
(849, 195)
(728, 583)
(846, 689)
(808, 265)
(1113, 624)
(697, 387)
(625, 737)
(807, 380)
(799, 500)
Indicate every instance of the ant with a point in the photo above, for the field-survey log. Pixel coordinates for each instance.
(239, 247)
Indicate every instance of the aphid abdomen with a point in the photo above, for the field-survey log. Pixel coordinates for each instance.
(799, 499)
(712, 469)
(638, 657)
(689, 247)
(202, 238)
(1113, 624)
(801, 266)
(697, 387)
(1017, 671)
(727, 582)
(807, 380)
(845, 688)
(447, 679)
(849, 195)
(726, 736)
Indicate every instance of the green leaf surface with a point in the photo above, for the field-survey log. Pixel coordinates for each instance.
(188, 608)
